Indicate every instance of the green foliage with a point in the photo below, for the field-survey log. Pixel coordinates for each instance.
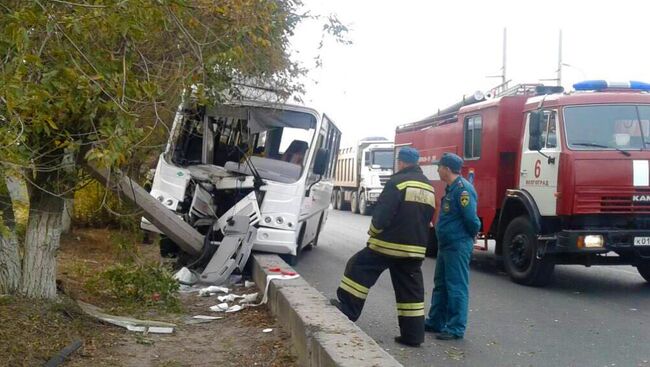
(133, 286)
(95, 206)
(97, 78)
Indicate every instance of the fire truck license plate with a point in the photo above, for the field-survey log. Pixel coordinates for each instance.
(641, 241)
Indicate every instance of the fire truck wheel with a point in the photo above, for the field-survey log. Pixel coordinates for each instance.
(519, 255)
(354, 203)
(644, 270)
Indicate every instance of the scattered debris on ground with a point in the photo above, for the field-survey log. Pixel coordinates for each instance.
(35, 332)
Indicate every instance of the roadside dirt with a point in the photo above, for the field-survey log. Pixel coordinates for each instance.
(32, 332)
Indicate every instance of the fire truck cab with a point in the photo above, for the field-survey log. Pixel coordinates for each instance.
(562, 178)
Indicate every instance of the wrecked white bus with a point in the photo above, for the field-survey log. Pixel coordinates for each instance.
(271, 164)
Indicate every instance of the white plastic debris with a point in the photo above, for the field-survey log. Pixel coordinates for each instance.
(248, 284)
(151, 329)
(229, 298)
(213, 289)
(234, 308)
(248, 298)
(269, 278)
(185, 276)
(219, 308)
(267, 330)
(127, 322)
(205, 317)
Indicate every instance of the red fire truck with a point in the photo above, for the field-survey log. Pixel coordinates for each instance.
(562, 178)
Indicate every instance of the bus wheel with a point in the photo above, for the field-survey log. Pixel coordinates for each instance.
(644, 269)
(291, 260)
(519, 255)
(314, 243)
(168, 248)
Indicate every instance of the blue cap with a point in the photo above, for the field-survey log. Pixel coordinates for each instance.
(452, 161)
(408, 155)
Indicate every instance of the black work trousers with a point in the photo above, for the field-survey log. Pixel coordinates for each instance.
(362, 271)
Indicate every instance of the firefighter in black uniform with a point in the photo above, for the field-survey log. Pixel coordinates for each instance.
(398, 238)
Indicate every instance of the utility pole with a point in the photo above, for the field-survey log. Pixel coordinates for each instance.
(558, 79)
(559, 61)
(504, 82)
(505, 43)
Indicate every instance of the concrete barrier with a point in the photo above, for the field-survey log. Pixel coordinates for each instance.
(321, 334)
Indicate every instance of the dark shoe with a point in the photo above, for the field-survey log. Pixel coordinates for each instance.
(447, 336)
(400, 340)
(336, 303)
(430, 329)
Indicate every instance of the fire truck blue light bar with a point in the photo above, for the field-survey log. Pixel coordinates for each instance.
(604, 84)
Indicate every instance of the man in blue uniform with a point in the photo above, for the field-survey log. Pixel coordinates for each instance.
(398, 238)
(456, 229)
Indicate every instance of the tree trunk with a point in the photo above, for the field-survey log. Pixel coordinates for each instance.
(68, 214)
(41, 245)
(9, 255)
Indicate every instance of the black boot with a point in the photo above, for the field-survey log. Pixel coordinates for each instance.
(336, 303)
(400, 340)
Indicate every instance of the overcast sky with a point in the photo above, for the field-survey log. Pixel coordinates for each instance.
(409, 58)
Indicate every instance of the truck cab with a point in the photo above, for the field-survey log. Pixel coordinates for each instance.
(584, 164)
(362, 170)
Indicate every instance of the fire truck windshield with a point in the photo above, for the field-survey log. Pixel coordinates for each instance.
(616, 127)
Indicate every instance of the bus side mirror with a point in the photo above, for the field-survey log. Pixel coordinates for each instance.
(535, 130)
(320, 164)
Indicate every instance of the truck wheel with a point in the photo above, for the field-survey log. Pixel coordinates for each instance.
(644, 270)
(339, 200)
(363, 205)
(432, 244)
(354, 203)
(519, 255)
(333, 199)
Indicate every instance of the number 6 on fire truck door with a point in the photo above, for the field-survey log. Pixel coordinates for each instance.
(540, 159)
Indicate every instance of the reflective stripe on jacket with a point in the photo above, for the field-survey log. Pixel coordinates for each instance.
(400, 221)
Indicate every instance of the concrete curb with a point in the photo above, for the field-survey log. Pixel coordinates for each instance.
(321, 334)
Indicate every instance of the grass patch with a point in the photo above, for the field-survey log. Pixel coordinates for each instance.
(133, 286)
(112, 270)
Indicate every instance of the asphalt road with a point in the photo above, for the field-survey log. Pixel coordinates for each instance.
(598, 316)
